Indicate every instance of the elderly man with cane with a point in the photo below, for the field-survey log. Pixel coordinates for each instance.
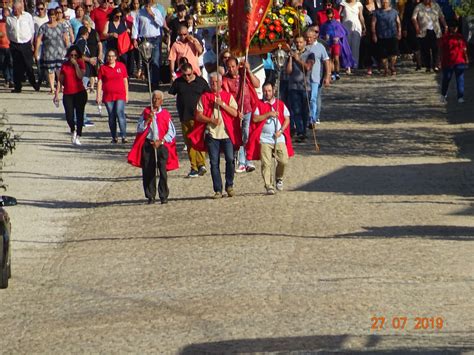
(154, 148)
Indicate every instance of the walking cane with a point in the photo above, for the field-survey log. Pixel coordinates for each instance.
(146, 51)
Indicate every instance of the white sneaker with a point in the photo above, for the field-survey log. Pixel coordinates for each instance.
(240, 169)
(443, 99)
(270, 190)
(461, 100)
(78, 142)
(279, 185)
(73, 137)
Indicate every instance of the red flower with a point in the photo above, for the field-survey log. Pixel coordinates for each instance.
(271, 36)
(267, 21)
(279, 29)
(261, 36)
(271, 28)
(277, 23)
(262, 30)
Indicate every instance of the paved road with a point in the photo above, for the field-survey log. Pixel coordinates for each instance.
(378, 224)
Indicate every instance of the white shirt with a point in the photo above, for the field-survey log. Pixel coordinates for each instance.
(20, 29)
(69, 14)
(39, 21)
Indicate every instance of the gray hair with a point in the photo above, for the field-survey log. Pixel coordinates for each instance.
(215, 74)
(159, 93)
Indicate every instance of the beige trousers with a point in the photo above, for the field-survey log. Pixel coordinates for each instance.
(266, 154)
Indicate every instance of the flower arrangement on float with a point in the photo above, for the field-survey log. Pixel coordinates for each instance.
(208, 11)
(280, 24)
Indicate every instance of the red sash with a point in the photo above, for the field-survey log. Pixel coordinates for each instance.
(232, 124)
(163, 120)
(253, 144)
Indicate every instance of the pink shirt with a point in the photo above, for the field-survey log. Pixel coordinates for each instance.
(188, 50)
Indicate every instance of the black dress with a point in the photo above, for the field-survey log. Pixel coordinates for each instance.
(368, 49)
(121, 28)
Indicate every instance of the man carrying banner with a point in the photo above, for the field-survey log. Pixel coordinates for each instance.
(270, 135)
(246, 97)
(217, 128)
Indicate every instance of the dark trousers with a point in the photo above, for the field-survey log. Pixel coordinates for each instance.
(429, 49)
(75, 104)
(299, 100)
(149, 165)
(214, 147)
(458, 71)
(22, 55)
(6, 65)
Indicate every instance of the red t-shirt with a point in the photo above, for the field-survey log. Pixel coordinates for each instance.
(321, 16)
(72, 83)
(4, 42)
(452, 47)
(100, 17)
(112, 82)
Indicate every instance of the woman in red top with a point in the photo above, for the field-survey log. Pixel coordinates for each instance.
(74, 93)
(112, 89)
(454, 60)
(6, 62)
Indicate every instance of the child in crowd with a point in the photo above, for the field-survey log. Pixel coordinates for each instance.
(454, 60)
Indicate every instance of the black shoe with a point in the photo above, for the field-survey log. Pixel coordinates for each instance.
(114, 140)
(17, 91)
(37, 87)
(164, 201)
(151, 201)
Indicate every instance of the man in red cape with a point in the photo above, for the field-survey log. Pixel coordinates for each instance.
(270, 122)
(155, 130)
(217, 128)
(244, 92)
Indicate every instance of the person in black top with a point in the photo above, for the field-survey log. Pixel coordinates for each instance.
(95, 49)
(189, 89)
(409, 32)
(113, 28)
(179, 20)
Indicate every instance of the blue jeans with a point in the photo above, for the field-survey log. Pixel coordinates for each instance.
(214, 147)
(155, 60)
(245, 138)
(315, 102)
(6, 64)
(299, 110)
(116, 111)
(457, 70)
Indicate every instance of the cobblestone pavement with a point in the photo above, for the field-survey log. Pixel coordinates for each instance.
(378, 224)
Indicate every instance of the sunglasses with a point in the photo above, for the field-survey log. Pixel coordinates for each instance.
(72, 55)
(40, 8)
(88, 5)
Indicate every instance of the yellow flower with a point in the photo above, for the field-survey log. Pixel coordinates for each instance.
(283, 12)
(291, 21)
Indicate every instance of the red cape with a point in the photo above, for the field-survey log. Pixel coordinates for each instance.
(232, 124)
(253, 144)
(163, 120)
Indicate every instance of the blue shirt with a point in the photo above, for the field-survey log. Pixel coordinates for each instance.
(153, 133)
(145, 26)
(271, 125)
(320, 55)
(386, 26)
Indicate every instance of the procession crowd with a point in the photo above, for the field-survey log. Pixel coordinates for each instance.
(92, 48)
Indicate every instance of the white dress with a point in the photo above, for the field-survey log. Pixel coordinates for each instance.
(350, 14)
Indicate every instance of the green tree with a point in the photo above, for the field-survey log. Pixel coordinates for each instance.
(7, 141)
(463, 7)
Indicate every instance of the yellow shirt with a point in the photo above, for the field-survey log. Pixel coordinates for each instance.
(217, 131)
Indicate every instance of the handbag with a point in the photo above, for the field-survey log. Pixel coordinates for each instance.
(124, 43)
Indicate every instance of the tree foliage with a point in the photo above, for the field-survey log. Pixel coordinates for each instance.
(7, 141)
(463, 7)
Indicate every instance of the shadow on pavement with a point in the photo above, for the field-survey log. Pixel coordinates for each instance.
(320, 344)
(458, 233)
(414, 179)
